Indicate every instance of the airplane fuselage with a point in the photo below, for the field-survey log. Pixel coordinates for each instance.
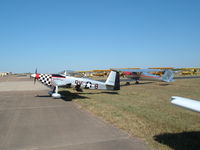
(59, 80)
(141, 76)
(62, 80)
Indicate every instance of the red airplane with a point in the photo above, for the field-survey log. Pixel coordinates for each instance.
(143, 74)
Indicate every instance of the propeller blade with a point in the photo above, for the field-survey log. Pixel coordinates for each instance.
(35, 77)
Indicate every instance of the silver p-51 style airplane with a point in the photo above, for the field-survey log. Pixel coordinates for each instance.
(60, 80)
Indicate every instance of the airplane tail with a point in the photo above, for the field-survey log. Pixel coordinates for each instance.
(113, 81)
(168, 76)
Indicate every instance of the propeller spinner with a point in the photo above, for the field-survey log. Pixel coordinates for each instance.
(35, 75)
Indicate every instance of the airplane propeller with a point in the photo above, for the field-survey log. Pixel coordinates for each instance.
(35, 74)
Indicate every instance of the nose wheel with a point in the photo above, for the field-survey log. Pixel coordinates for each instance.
(56, 95)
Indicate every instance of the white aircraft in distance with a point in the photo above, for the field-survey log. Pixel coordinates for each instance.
(187, 103)
(60, 80)
(143, 74)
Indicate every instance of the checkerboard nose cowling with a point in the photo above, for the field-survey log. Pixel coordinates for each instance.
(45, 79)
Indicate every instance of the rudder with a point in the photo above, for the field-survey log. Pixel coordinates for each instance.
(168, 76)
(113, 80)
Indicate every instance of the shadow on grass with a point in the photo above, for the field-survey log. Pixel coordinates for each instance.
(69, 96)
(113, 93)
(188, 77)
(133, 83)
(180, 141)
(94, 93)
(164, 84)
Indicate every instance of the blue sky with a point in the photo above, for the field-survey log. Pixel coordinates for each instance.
(54, 35)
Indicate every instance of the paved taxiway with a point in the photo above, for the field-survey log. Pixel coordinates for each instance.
(30, 120)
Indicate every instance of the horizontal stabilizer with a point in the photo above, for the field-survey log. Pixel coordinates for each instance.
(187, 103)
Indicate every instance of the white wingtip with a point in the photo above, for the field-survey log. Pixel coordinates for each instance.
(187, 103)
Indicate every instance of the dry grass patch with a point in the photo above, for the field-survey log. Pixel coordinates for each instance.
(145, 111)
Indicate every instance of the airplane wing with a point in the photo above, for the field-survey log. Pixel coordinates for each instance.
(187, 103)
(59, 82)
(140, 70)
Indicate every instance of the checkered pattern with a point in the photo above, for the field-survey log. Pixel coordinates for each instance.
(45, 79)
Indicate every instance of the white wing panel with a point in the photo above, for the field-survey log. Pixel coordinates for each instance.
(139, 70)
(186, 103)
(60, 82)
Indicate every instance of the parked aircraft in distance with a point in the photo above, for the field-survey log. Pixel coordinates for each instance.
(144, 74)
(187, 103)
(60, 80)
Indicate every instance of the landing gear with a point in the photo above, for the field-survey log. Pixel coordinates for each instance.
(136, 82)
(55, 93)
(78, 88)
(127, 83)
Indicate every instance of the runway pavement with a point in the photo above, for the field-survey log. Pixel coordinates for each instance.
(30, 120)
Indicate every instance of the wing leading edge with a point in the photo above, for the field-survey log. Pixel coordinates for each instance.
(187, 103)
(140, 70)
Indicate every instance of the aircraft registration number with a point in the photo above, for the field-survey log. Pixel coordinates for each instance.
(77, 82)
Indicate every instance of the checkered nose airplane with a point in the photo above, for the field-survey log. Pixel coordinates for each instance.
(59, 80)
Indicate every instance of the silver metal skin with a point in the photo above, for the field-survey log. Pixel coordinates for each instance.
(58, 80)
(187, 103)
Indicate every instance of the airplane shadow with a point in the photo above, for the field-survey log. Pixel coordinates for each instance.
(180, 141)
(113, 93)
(67, 96)
(43, 96)
(133, 83)
(189, 77)
(164, 84)
(94, 93)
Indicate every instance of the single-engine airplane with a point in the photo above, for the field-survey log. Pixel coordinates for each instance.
(187, 103)
(60, 80)
(143, 74)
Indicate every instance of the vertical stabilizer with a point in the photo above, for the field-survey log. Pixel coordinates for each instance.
(113, 80)
(168, 76)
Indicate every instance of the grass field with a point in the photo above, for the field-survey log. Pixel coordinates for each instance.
(144, 111)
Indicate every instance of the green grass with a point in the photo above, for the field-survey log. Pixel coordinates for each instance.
(145, 111)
